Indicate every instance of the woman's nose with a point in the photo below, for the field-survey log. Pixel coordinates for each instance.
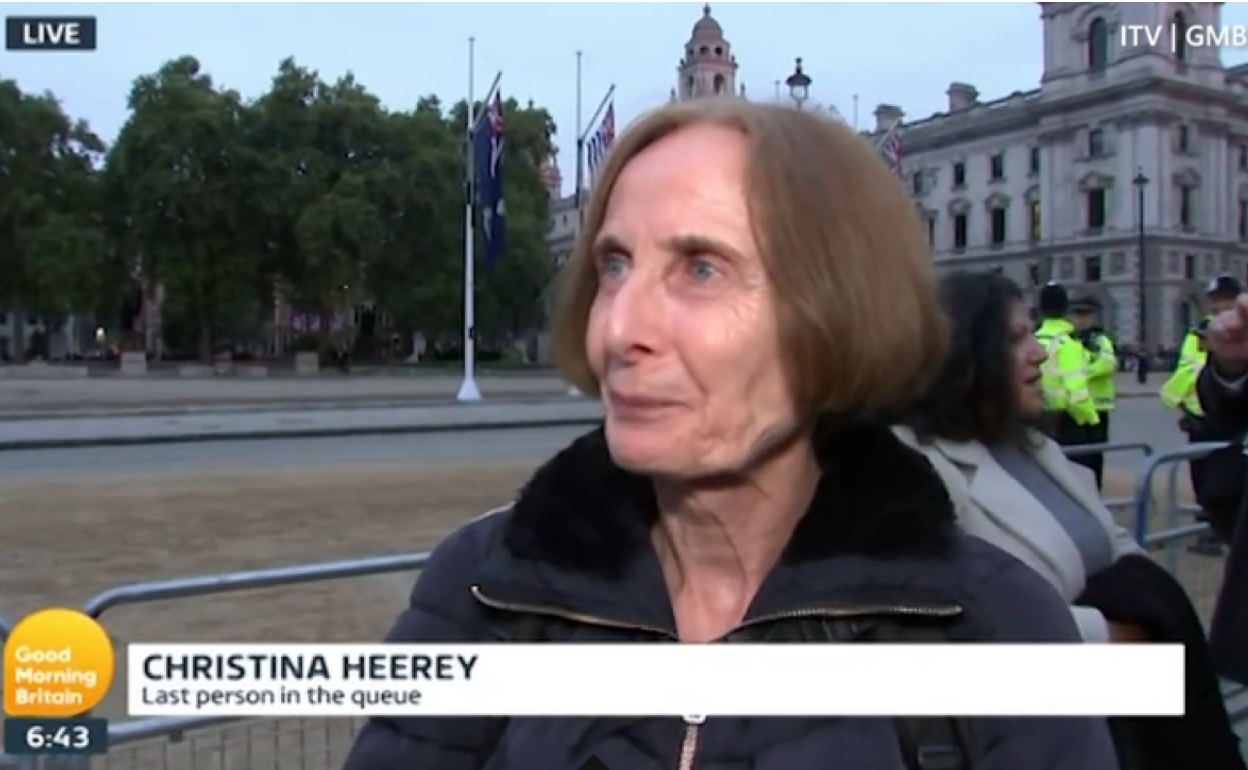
(630, 315)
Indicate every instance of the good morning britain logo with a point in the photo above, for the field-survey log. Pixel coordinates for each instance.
(50, 33)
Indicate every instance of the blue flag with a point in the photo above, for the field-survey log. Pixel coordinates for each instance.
(488, 159)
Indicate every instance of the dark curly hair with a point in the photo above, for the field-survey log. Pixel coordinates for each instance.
(973, 397)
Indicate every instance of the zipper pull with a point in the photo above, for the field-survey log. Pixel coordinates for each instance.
(689, 742)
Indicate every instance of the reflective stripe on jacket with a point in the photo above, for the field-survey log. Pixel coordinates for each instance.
(1064, 375)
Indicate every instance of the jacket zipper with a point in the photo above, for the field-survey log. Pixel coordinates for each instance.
(693, 724)
(832, 613)
(689, 742)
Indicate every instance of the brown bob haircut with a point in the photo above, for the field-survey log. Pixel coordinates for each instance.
(860, 325)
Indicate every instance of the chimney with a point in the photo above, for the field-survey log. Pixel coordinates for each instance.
(886, 116)
(962, 96)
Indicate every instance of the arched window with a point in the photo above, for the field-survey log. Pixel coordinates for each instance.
(1098, 44)
(690, 86)
(1180, 36)
(720, 84)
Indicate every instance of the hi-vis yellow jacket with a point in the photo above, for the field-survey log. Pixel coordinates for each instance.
(1179, 392)
(1102, 363)
(1064, 376)
(1190, 354)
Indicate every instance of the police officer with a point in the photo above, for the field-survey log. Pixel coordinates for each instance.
(1208, 474)
(1220, 295)
(1102, 363)
(1179, 393)
(1070, 411)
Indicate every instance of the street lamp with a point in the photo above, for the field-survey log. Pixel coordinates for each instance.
(1141, 371)
(799, 84)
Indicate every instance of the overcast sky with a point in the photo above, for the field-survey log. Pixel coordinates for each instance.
(901, 53)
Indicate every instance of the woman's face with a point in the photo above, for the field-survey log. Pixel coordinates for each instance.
(1026, 356)
(682, 333)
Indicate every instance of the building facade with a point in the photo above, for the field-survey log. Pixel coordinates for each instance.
(707, 67)
(1056, 183)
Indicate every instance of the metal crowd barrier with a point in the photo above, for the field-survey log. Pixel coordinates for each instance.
(1111, 448)
(223, 743)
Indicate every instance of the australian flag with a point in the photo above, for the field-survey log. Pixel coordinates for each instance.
(488, 151)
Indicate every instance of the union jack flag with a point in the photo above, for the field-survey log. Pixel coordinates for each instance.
(890, 148)
(600, 142)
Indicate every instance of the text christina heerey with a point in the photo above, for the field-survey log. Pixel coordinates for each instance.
(383, 667)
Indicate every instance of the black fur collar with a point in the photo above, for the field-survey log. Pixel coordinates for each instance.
(879, 499)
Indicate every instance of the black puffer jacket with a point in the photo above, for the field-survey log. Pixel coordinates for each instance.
(575, 547)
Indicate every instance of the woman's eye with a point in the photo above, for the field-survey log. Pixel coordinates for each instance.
(702, 269)
(612, 266)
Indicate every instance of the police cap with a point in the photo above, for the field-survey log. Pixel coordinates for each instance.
(1054, 300)
(1085, 304)
(1223, 287)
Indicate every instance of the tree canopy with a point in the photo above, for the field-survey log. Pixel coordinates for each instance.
(312, 196)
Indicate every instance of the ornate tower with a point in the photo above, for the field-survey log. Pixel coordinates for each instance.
(551, 177)
(708, 67)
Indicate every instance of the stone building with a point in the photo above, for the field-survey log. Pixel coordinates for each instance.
(1047, 184)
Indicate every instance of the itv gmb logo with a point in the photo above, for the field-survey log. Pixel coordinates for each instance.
(49, 33)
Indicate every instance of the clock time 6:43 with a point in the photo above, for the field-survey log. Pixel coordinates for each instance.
(28, 736)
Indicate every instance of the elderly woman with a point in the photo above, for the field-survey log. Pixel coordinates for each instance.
(1013, 487)
(751, 291)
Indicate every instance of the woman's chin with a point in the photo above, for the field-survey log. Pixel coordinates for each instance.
(1031, 401)
(651, 449)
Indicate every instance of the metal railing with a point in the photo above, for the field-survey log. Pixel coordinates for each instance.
(1111, 448)
(225, 743)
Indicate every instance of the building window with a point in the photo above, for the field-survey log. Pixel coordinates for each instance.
(1033, 274)
(1243, 157)
(999, 225)
(1096, 209)
(931, 230)
(1096, 143)
(1092, 269)
(996, 166)
(1189, 267)
(959, 231)
(1180, 37)
(1033, 220)
(1243, 220)
(1033, 161)
(916, 183)
(1185, 139)
(959, 175)
(1186, 206)
(721, 84)
(1098, 44)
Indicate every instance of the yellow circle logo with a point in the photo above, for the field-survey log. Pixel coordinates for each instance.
(57, 663)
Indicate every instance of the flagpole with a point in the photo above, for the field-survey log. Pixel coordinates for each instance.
(468, 389)
(580, 141)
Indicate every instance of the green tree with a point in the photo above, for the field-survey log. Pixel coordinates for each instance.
(52, 249)
(418, 276)
(186, 174)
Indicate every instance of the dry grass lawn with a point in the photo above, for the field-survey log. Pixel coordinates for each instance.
(75, 539)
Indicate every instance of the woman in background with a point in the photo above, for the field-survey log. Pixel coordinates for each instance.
(1013, 487)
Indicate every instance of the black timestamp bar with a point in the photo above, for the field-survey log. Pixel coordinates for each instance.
(28, 736)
